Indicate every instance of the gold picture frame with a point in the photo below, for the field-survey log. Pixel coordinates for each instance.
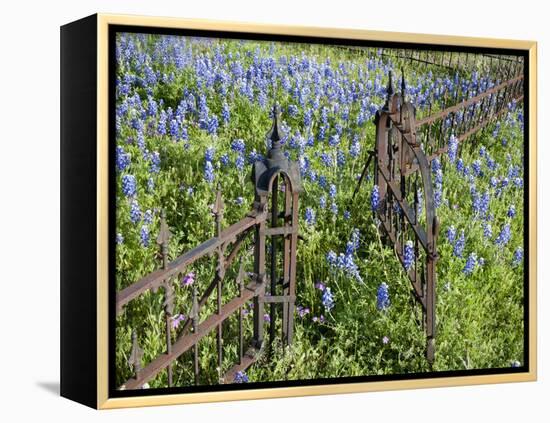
(72, 387)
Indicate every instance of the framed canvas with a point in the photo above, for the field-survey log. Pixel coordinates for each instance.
(257, 211)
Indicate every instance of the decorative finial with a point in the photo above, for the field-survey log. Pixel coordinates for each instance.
(390, 85)
(218, 205)
(135, 355)
(194, 314)
(275, 156)
(164, 233)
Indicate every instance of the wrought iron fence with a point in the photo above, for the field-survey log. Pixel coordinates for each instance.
(404, 150)
(267, 219)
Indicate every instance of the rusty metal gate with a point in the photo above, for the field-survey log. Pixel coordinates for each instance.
(406, 180)
(267, 219)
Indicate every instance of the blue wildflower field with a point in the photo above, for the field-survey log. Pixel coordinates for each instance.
(192, 113)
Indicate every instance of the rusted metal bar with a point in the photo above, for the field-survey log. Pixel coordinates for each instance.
(194, 317)
(186, 341)
(240, 284)
(220, 272)
(249, 358)
(286, 260)
(162, 240)
(135, 357)
(272, 299)
(273, 254)
(444, 113)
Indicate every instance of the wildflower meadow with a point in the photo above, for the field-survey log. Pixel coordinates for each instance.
(192, 115)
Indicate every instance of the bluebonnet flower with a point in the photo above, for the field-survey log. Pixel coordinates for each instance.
(482, 151)
(484, 203)
(144, 234)
(322, 181)
(148, 217)
(493, 182)
(496, 130)
(239, 162)
(408, 255)
(152, 107)
(382, 297)
(326, 158)
(459, 245)
(355, 147)
(238, 146)
(241, 377)
(239, 201)
(347, 214)
(452, 148)
(129, 186)
(332, 191)
(322, 202)
(518, 256)
(332, 258)
(487, 230)
(122, 159)
(355, 239)
(481, 261)
(333, 140)
(340, 158)
(334, 208)
(183, 133)
(208, 172)
(209, 154)
(119, 238)
(375, 198)
(174, 129)
(470, 264)
(135, 211)
(511, 211)
(328, 299)
(436, 165)
(308, 117)
(212, 126)
(293, 110)
(460, 166)
(504, 236)
(225, 113)
(476, 167)
(161, 126)
(518, 182)
(515, 363)
(224, 159)
(310, 216)
(155, 162)
(504, 182)
(451, 233)
(345, 262)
